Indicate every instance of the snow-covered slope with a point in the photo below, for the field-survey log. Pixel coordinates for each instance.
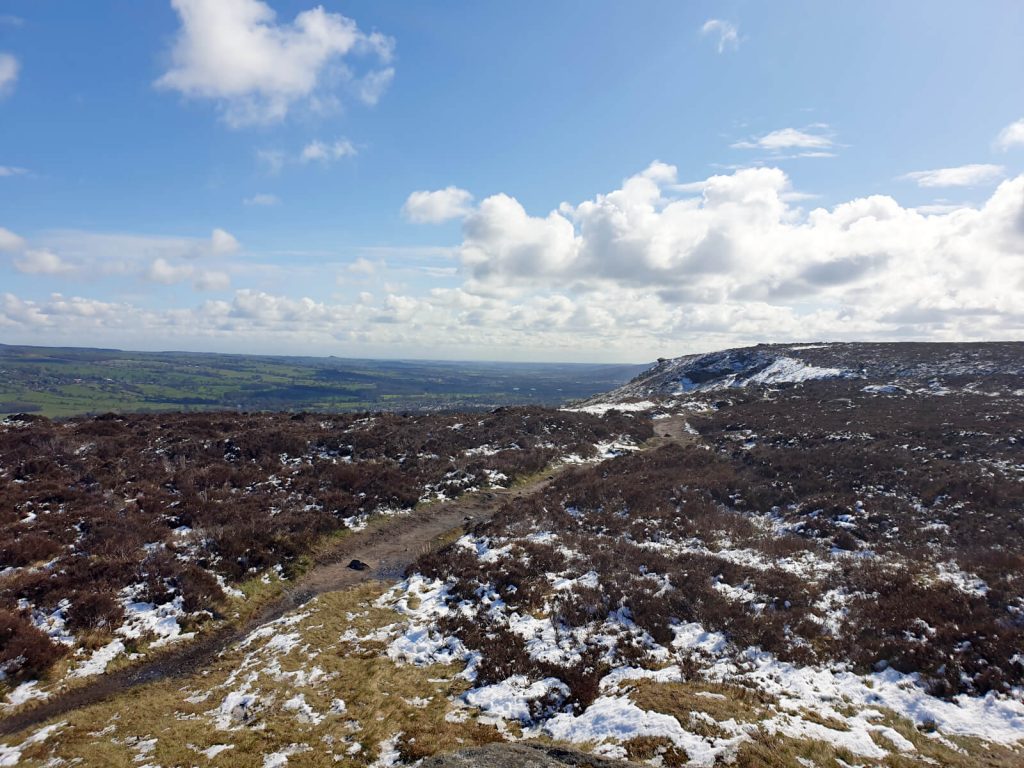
(906, 364)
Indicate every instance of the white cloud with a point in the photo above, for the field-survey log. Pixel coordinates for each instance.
(363, 266)
(9, 68)
(167, 273)
(791, 138)
(728, 35)
(10, 241)
(321, 152)
(262, 199)
(10, 170)
(164, 272)
(237, 54)
(42, 262)
(211, 280)
(740, 252)
(960, 176)
(652, 267)
(222, 243)
(116, 252)
(1011, 136)
(425, 207)
(161, 260)
(372, 86)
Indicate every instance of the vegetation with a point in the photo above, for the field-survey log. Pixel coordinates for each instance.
(68, 381)
(825, 524)
(97, 512)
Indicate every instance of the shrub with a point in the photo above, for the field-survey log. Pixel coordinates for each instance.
(25, 652)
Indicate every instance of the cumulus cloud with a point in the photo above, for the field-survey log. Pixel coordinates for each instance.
(116, 252)
(740, 247)
(726, 32)
(10, 241)
(211, 280)
(164, 272)
(222, 243)
(1011, 136)
(262, 199)
(159, 260)
(167, 273)
(424, 207)
(326, 152)
(42, 262)
(9, 68)
(811, 139)
(363, 266)
(649, 268)
(236, 53)
(960, 176)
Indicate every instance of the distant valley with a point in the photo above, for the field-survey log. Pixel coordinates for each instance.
(67, 381)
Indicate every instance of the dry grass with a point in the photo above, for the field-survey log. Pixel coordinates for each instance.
(717, 700)
(382, 700)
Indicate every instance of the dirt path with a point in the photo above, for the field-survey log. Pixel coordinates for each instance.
(387, 546)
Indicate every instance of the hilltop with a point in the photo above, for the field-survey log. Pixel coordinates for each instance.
(903, 365)
(787, 555)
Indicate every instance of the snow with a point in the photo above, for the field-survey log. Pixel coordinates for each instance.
(304, 713)
(52, 623)
(966, 582)
(150, 619)
(215, 750)
(885, 389)
(693, 637)
(419, 642)
(27, 691)
(388, 753)
(671, 674)
(12, 755)
(990, 717)
(280, 759)
(600, 409)
(227, 589)
(617, 719)
(100, 659)
(235, 708)
(511, 698)
(787, 370)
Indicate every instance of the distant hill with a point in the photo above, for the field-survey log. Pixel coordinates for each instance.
(983, 365)
(68, 381)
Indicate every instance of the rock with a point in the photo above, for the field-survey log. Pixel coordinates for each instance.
(521, 756)
(358, 565)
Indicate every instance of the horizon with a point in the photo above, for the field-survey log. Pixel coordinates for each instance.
(370, 180)
(483, 361)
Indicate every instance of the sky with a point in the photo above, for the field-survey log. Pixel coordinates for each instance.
(573, 181)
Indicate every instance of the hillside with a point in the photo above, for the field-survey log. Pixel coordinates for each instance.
(735, 559)
(904, 365)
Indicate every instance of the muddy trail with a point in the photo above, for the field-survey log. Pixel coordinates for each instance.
(387, 547)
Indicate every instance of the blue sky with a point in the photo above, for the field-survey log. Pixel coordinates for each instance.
(242, 175)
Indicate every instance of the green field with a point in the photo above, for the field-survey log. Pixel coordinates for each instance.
(56, 382)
